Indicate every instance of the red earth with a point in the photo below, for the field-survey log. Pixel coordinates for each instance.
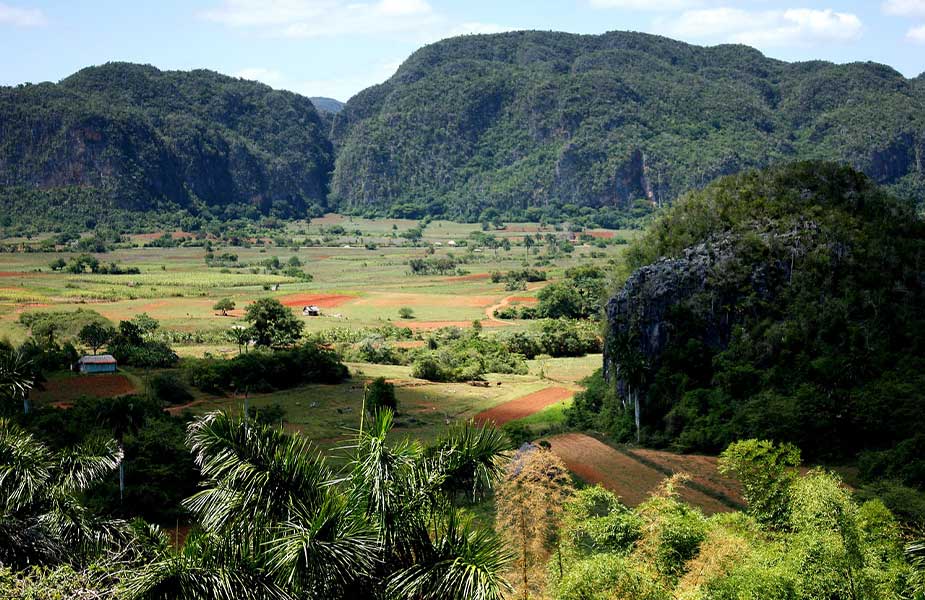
(524, 406)
(596, 462)
(65, 390)
(606, 235)
(320, 300)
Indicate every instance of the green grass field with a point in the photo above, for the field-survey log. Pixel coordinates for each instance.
(356, 287)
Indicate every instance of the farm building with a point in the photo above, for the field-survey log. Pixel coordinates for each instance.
(100, 363)
(311, 311)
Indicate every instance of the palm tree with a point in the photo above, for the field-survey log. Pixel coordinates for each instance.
(16, 378)
(124, 414)
(277, 522)
(273, 521)
(41, 516)
(426, 550)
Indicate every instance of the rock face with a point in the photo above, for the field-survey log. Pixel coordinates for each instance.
(705, 291)
(144, 139)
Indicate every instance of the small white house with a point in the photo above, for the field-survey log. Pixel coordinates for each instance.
(97, 363)
(311, 311)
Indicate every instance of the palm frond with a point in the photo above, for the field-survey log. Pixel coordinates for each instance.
(208, 567)
(252, 472)
(25, 467)
(472, 456)
(85, 465)
(325, 552)
(16, 375)
(466, 563)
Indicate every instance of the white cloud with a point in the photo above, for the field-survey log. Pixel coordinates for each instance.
(21, 17)
(917, 35)
(341, 88)
(323, 18)
(472, 28)
(651, 5)
(771, 28)
(904, 8)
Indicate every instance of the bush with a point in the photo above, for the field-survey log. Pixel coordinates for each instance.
(381, 394)
(406, 312)
(264, 371)
(168, 388)
(467, 358)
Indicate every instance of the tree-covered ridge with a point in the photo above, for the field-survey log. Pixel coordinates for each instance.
(541, 119)
(143, 139)
(787, 303)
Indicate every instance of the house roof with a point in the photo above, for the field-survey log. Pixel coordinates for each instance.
(97, 359)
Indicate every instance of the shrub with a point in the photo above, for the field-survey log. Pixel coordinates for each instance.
(381, 394)
(406, 312)
(168, 388)
(263, 371)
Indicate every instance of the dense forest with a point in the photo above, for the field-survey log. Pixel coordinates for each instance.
(787, 304)
(126, 137)
(531, 122)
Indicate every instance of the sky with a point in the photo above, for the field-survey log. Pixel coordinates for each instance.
(336, 48)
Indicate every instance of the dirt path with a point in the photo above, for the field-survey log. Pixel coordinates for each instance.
(524, 406)
(633, 481)
(490, 311)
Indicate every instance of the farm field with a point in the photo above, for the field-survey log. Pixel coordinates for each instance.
(634, 481)
(360, 279)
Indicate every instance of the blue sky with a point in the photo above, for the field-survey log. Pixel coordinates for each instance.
(338, 47)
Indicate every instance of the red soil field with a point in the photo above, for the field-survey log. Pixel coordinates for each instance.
(605, 235)
(524, 406)
(398, 299)
(320, 300)
(68, 389)
(15, 274)
(523, 299)
(633, 481)
(702, 469)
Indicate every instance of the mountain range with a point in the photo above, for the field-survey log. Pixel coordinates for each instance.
(529, 123)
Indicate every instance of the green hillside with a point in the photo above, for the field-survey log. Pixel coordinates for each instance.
(131, 137)
(786, 304)
(543, 120)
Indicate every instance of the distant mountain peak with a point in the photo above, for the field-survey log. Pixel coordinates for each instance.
(327, 104)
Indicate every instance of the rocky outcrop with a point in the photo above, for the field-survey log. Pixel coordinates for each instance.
(708, 288)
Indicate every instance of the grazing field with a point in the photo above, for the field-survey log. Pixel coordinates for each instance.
(620, 472)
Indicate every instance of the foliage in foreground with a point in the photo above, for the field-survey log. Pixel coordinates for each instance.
(274, 520)
(828, 546)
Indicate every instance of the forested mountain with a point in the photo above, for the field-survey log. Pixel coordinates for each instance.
(543, 119)
(126, 136)
(787, 304)
(530, 123)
